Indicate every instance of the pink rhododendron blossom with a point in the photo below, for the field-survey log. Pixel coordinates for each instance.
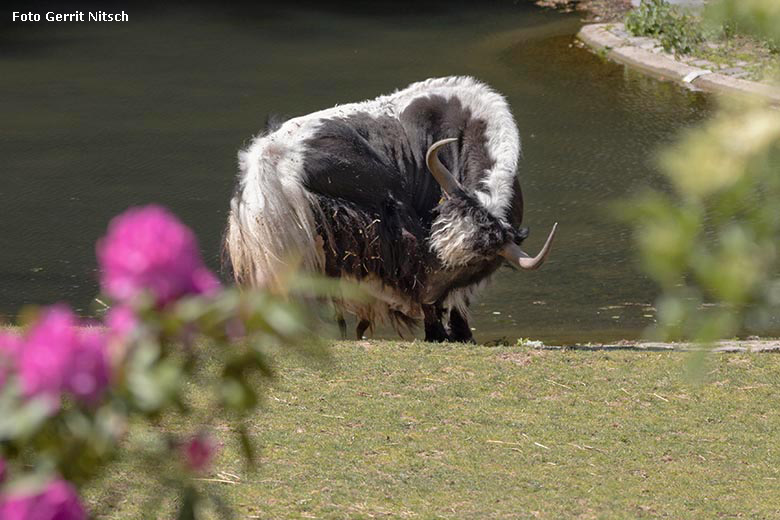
(58, 356)
(88, 374)
(58, 501)
(121, 321)
(45, 357)
(149, 249)
(199, 452)
(9, 343)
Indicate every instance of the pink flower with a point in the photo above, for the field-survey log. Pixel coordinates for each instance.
(149, 249)
(58, 501)
(199, 452)
(9, 343)
(89, 373)
(57, 356)
(44, 360)
(121, 321)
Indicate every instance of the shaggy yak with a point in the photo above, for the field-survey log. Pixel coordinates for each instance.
(412, 196)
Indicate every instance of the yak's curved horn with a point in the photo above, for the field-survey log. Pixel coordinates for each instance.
(442, 175)
(523, 260)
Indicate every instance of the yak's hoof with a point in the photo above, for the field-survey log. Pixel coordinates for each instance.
(361, 328)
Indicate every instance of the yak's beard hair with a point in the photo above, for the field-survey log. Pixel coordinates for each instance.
(464, 232)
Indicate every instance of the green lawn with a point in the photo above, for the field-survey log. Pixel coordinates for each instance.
(417, 430)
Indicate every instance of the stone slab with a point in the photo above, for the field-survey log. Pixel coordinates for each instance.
(652, 63)
(756, 346)
(722, 83)
(597, 36)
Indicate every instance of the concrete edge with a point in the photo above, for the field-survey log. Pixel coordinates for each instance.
(771, 346)
(598, 37)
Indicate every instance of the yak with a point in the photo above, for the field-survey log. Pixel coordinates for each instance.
(413, 196)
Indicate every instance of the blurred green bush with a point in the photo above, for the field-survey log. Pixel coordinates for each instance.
(712, 241)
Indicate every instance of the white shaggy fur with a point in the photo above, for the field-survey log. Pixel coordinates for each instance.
(461, 298)
(271, 228)
(449, 236)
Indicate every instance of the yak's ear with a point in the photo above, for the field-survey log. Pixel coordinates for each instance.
(449, 184)
(520, 234)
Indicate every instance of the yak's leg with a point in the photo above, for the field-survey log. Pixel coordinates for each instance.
(434, 330)
(342, 325)
(362, 327)
(459, 328)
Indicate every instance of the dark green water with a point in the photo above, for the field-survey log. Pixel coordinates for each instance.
(98, 117)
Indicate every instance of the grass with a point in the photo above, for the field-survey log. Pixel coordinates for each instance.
(685, 34)
(758, 60)
(414, 430)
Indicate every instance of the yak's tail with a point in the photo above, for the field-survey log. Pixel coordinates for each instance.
(271, 229)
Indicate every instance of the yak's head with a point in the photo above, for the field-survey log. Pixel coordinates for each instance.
(466, 234)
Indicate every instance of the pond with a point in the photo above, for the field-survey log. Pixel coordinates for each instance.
(98, 117)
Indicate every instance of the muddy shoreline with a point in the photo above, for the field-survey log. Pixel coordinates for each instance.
(592, 10)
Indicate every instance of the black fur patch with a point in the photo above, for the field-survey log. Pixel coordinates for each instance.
(388, 243)
(459, 329)
(376, 200)
(361, 158)
(428, 119)
(349, 159)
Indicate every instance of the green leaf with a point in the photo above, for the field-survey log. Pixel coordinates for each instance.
(247, 448)
(25, 419)
(189, 500)
(237, 394)
(152, 387)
